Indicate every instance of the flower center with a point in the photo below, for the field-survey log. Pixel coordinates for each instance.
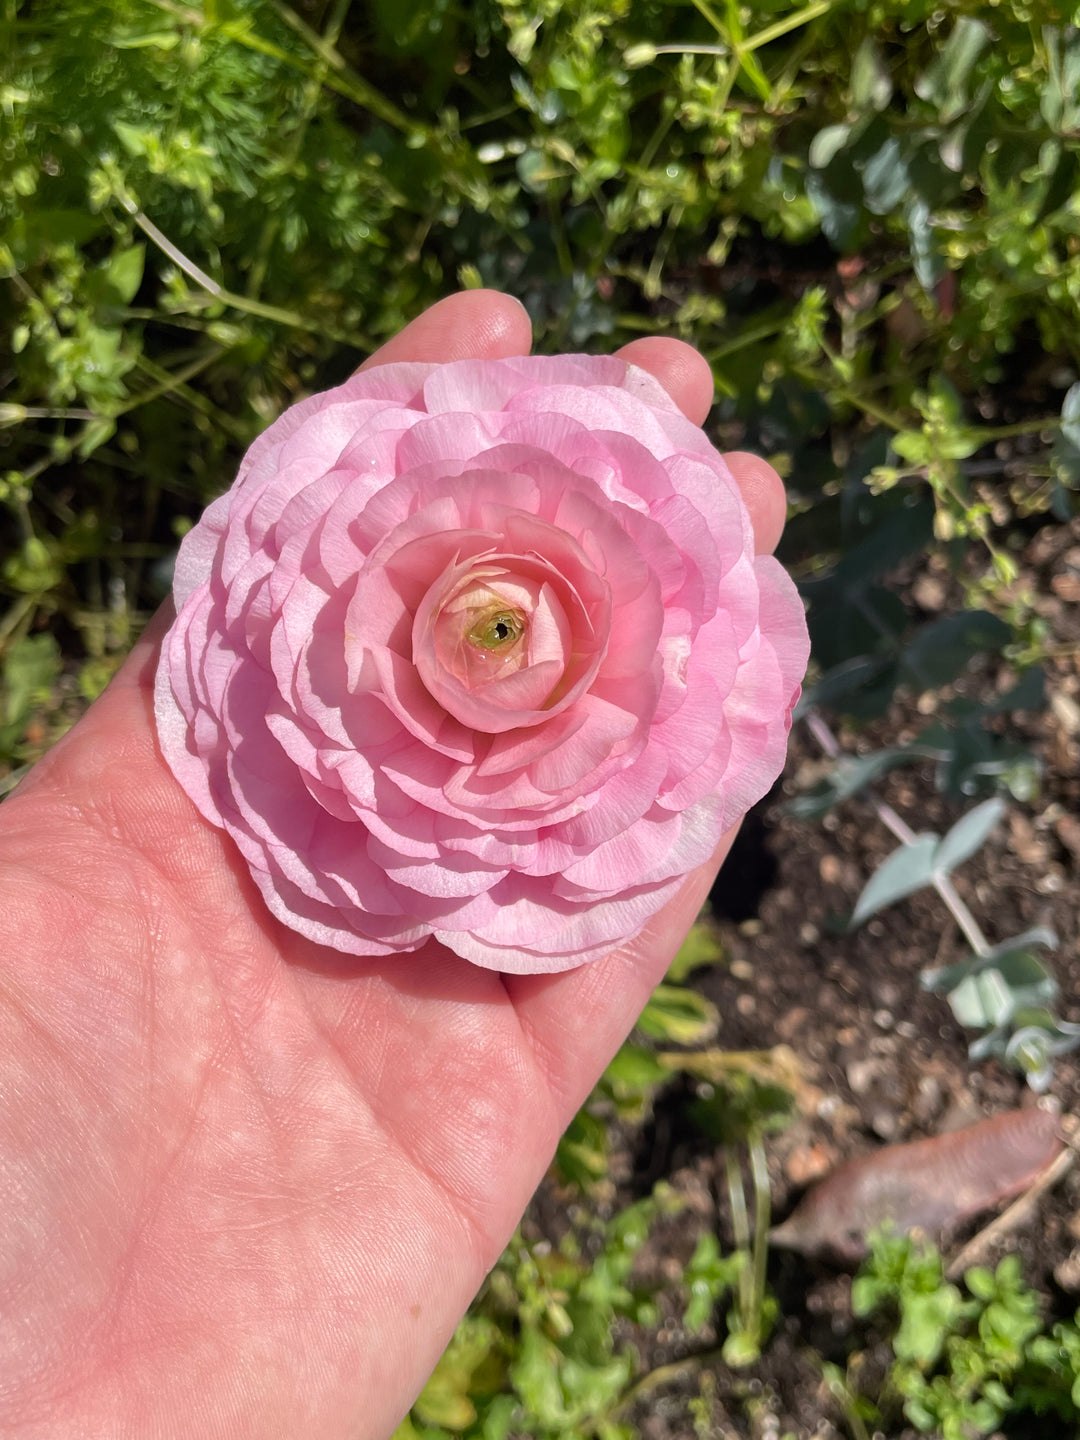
(497, 630)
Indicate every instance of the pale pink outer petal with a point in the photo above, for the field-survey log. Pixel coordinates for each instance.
(290, 709)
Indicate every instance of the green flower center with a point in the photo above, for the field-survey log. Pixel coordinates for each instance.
(496, 630)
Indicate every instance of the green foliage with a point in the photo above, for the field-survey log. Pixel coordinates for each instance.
(965, 1365)
(29, 672)
(709, 1276)
(537, 1354)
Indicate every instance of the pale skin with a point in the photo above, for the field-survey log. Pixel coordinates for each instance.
(248, 1186)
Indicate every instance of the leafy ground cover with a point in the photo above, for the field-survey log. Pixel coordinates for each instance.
(864, 213)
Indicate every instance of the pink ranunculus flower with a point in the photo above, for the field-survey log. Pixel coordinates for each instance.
(479, 650)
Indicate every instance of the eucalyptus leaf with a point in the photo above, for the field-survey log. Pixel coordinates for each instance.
(904, 531)
(981, 1001)
(940, 651)
(847, 778)
(1029, 693)
(907, 869)
(995, 995)
(841, 220)
(967, 835)
(842, 680)
(1029, 1051)
(949, 976)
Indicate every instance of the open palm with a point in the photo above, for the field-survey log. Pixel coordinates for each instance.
(249, 1185)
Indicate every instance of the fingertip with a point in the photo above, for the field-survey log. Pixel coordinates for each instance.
(682, 370)
(763, 491)
(471, 325)
(502, 321)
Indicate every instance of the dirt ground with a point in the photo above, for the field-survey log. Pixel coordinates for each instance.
(881, 1060)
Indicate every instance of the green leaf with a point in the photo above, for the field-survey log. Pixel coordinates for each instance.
(535, 1372)
(30, 670)
(701, 947)
(96, 434)
(1070, 415)
(924, 1322)
(1061, 184)
(124, 272)
(940, 651)
(33, 569)
(885, 178)
(445, 1399)
(827, 144)
(635, 1067)
(945, 81)
(708, 1275)
(980, 1282)
(581, 1156)
(949, 976)
(137, 140)
(967, 835)
(680, 1016)
(850, 775)
(537, 170)
(926, 253)
(406, 1430)
(906, 870)
(741, 1348)
(842, 680)
(871, 86)
(1058, 97)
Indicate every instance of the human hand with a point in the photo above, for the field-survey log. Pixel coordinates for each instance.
(249, 1184)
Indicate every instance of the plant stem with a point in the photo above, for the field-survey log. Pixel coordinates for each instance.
(664, 1375)
(740, 1225)
(762, 1213)
(692, 49)
(227, 297)
(789, 23)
